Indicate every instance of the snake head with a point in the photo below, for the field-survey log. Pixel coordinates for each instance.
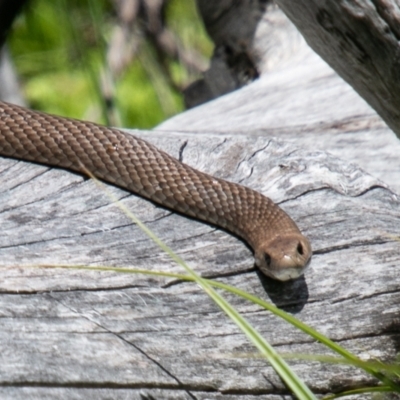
(284, 257)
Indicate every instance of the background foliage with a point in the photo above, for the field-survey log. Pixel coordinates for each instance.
(59, 48)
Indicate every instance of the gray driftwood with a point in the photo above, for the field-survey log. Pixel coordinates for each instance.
(360, 40)
(102, 335)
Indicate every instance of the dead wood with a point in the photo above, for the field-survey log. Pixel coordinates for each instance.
(360, 40)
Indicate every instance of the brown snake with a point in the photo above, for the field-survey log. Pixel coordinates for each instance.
(280, 250)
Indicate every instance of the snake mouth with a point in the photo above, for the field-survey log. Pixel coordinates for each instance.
(284, 257)
(285, 274)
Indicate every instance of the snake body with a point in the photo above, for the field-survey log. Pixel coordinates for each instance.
(280, 250)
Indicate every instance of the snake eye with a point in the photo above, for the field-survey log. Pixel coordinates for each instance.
(300, 249)
(267, 259)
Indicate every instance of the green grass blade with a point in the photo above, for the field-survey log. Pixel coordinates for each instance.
(374, 367)
(281, 367)
(299, 388)
(313, 333)
(277, 362)
(372, 389)
(393, 369)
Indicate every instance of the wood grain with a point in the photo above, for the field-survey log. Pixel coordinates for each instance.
(360, 40)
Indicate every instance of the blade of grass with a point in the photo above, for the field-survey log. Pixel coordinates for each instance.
(206, 286)
(375, 365)
(372, 389)
(367, 366)
(313, 333)
(281, 367)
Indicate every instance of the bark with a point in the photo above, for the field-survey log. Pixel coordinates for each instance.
(9, 9)
(232, 27)
(359, 39)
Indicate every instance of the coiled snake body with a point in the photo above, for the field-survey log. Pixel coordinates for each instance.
(280, 250)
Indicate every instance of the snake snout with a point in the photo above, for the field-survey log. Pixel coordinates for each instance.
(284, 257)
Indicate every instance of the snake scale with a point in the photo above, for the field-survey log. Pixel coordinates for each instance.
(280, 250)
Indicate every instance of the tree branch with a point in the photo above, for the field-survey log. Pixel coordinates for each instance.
(360, 40)
(8, 11)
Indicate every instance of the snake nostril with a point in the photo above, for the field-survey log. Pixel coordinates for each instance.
(300, 249)
(267, 259)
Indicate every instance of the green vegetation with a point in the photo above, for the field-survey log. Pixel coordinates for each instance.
(59, 48)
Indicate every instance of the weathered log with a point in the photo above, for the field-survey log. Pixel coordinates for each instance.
(360, 40)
